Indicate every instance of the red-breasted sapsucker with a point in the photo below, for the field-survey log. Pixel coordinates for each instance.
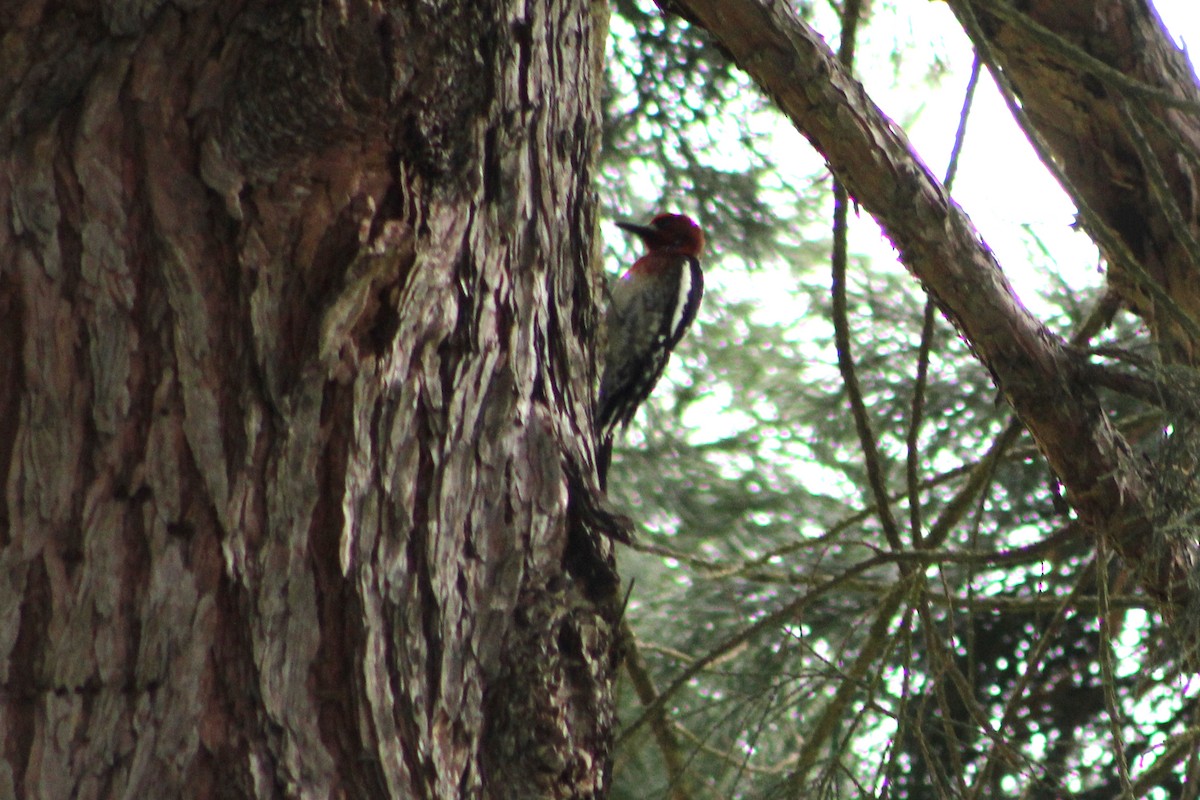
(649, 310)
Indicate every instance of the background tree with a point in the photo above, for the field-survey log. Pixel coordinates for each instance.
(892, 586)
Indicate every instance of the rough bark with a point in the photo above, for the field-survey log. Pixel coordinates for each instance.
(1038, 374)
(296, 322)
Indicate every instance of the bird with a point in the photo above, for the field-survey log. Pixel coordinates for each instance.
(650, 308)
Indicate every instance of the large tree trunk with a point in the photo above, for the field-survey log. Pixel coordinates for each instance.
(296, 333)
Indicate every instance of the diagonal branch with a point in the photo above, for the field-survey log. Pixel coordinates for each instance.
(937, 242)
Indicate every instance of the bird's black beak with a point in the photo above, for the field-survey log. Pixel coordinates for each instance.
(640, 230)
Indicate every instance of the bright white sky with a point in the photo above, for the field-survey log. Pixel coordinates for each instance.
(1182, 18)
(1001, 184)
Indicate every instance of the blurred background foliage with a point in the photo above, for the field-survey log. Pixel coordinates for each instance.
(780, 647)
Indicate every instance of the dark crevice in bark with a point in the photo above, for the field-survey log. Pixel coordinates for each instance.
(12, 384)
(234, 704)
(22, 692)
(336, 671)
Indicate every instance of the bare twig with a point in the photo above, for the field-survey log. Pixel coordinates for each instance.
(841, 325)
(660, 725)
(918, 401)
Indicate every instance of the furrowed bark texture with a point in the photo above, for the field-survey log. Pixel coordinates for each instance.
(937, 242)
(296, 319)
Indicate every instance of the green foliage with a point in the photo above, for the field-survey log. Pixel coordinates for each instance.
(683, 131)
(767, 601)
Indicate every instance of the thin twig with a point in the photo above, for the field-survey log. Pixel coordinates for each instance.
(918, 401)
(939, 690)
(1032, 669)
(1182, 746)
(773, 620)
(871, 649)
(1107, 680)
(664, 735)
(980, 477)
(841, 324)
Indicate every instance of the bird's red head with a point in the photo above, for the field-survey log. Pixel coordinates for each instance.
(670, 233)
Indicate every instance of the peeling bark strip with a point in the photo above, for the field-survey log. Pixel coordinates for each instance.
(939, 245)
(296, 321)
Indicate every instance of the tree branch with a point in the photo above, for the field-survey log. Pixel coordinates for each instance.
(937, 242)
